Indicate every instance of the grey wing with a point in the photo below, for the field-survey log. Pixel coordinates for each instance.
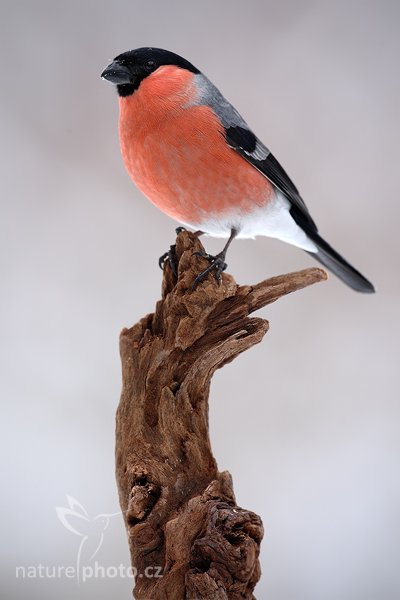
(240, 137)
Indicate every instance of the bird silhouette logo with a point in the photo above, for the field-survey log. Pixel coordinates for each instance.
(91, 530)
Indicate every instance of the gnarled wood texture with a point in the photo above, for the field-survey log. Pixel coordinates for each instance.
(187, 537)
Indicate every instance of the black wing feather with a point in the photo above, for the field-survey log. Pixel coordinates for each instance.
(249, 147)
(244, 142)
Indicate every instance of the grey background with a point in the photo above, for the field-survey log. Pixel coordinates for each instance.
(315, 452)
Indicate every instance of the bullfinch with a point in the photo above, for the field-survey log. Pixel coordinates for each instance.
(194, 156)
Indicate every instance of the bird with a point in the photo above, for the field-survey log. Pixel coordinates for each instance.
(194, 156)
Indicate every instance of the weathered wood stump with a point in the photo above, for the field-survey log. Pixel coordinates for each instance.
(188, 539)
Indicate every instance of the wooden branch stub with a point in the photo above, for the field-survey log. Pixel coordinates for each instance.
(180, 512)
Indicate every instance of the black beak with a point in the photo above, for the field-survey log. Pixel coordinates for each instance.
(117, 73)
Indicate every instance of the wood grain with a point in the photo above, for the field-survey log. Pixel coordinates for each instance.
(180, 511)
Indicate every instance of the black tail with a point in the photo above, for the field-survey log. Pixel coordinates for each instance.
(338, 265)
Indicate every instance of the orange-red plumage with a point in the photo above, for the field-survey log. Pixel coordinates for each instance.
(177, 153)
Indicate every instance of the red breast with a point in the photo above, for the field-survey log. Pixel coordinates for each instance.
(177, 155)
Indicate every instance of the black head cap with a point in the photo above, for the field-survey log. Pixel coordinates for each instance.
(129, 69)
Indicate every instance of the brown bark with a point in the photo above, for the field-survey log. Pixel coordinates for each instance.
(180, 512)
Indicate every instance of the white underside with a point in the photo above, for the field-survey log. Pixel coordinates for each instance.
(273, 220)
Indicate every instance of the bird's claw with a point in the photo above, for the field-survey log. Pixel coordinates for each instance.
(169, 256)
(162, 260)
(217, 263)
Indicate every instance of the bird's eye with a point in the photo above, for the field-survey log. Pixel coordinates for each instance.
(150, 63)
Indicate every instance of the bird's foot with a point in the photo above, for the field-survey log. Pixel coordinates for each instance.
(170, 255)
(217, 264)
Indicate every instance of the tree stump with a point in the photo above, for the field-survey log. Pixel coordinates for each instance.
(188, 539)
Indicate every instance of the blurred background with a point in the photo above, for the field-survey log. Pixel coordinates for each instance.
(318, 81)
